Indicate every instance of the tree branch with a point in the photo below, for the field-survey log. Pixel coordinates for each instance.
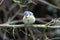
(1, 2)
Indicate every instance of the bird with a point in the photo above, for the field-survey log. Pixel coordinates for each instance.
(28, 17)
(28, 20)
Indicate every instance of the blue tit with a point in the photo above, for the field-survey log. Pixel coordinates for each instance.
(28, 17)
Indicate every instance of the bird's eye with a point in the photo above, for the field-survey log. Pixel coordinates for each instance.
(30, 14)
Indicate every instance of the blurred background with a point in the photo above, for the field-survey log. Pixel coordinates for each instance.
(11, 11)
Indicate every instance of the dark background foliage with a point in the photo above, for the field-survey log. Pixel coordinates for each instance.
(45, 13)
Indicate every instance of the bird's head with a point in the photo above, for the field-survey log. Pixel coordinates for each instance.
(28, 14)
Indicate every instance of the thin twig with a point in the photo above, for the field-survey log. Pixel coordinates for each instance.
(56, 38)
(31, 32)
(50, 23)
(45, 2)
(1, 2)
(16, 21)
(10, 19)
(26, 37)
(2, 35)
(25, 33)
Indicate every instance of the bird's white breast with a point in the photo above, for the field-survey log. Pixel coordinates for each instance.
(29, 20)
